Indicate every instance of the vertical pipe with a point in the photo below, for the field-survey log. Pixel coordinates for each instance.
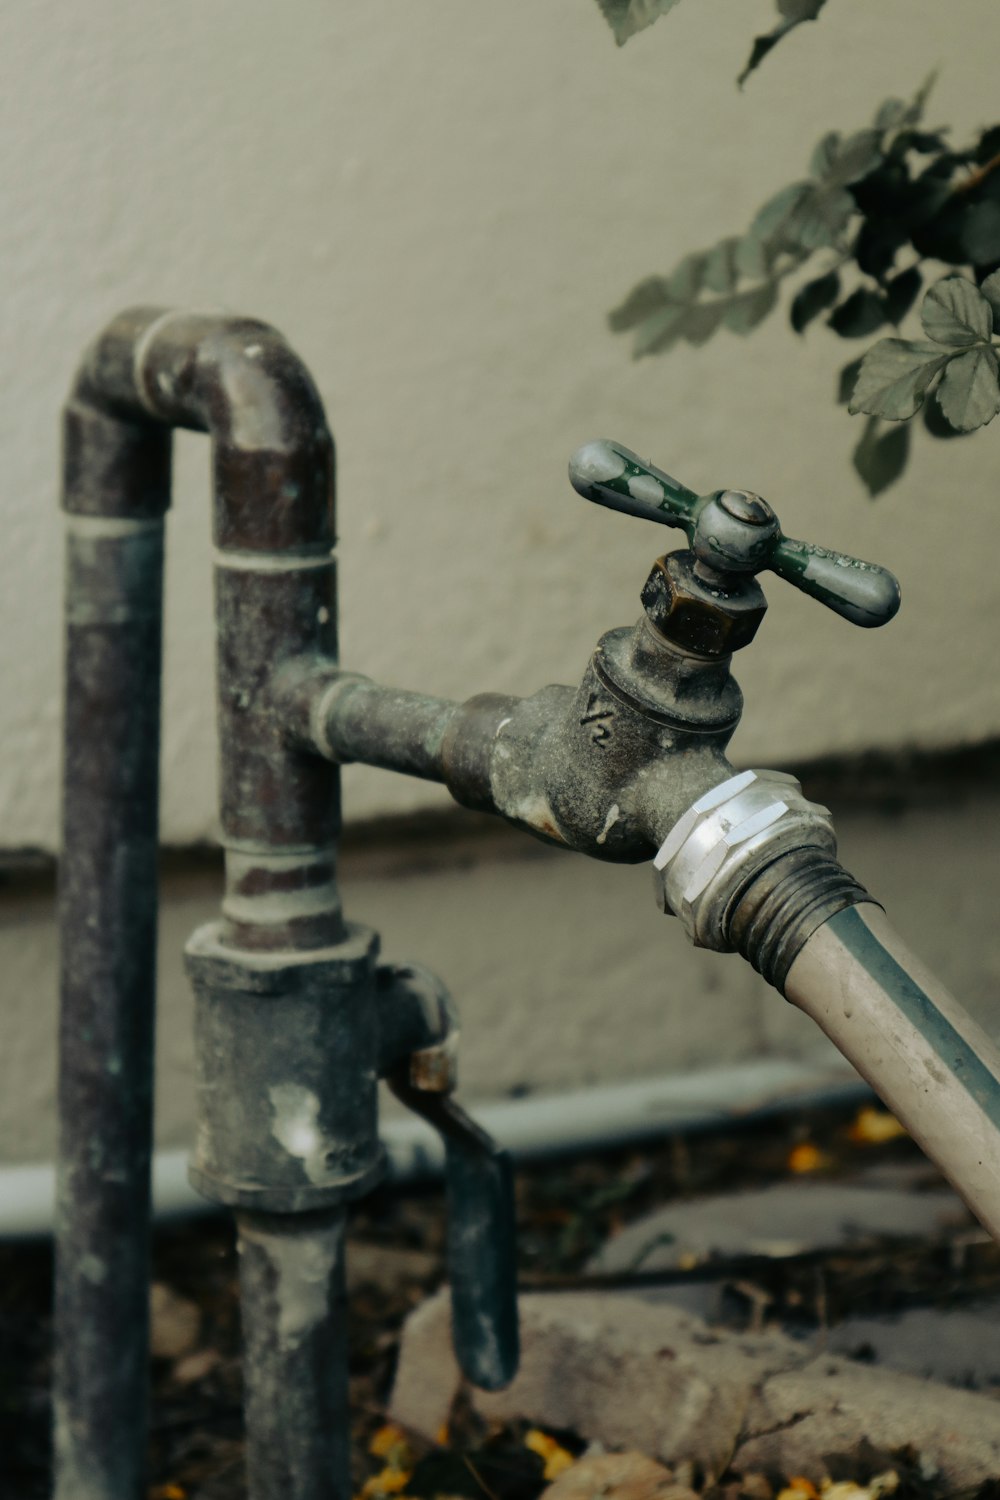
(293, 1301)
(235, 378)
(108, 921)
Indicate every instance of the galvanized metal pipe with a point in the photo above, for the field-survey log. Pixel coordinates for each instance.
(272, 457)
(936, 1069)
(359, 720)
(107, 900)
(293, 1306)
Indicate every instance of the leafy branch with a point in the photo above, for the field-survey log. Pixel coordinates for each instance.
(958, 361)
(880, 203)
(627, 17)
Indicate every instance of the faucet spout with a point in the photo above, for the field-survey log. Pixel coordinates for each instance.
(605, 769)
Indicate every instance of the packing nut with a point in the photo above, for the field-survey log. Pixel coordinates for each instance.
(697, 616)
(727, 837)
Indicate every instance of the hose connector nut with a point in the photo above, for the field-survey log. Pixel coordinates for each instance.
(724, 840)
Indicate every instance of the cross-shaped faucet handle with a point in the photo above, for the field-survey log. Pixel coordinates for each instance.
(733, 531)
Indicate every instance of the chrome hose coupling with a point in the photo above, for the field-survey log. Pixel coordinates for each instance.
(725, 840)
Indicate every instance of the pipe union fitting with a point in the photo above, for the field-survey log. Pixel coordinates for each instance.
(725, 839)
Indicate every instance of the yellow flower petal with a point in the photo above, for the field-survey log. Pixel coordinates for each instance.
(799, 1488)
(385, 1439)
(389, 1482)
(556, 1458)
(873, 1126)
(806, 1158)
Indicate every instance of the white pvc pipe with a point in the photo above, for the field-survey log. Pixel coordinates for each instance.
(586, 1120)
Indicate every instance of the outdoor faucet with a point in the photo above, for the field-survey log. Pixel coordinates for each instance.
(296, 1018)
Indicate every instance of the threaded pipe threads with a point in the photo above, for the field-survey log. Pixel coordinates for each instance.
(783, 905)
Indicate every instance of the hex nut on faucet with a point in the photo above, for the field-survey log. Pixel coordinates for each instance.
(697, 615)
(725, 839)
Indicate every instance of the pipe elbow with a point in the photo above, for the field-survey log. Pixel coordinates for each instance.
(238, 380)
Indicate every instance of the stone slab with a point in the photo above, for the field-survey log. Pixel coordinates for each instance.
(957, 1345)
(628, 1372)
(784, 1218)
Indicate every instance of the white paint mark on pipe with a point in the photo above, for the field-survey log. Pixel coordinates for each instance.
(110, 527)
(296, 1126)
(306, 1269)
(272, 562)
(283, 906)
(614, 813)
(93, 1269)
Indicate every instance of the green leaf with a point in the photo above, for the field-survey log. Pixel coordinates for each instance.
(988, 144)
(846, 380)
(822, 219)
(880, 457)
(981, 232)
(915, 110)
(684, 281)
(804, 216)
(793, 13)
(659, 330)
(647, 297)
(926, 142)
(901, 293)
(854, 158)
(701, 321)
(990, 289)
(824, 153)
(969, 393)
(956, 313)
(721, 271)
(626, 17)
(891, 112)
(771, 221)
(894, 377)
(814, 298)
(858, 315)
(747, 309)
(936, 423)
(876, 245)
(752, 257)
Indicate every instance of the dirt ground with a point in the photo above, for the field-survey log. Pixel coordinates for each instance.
(566, 1211)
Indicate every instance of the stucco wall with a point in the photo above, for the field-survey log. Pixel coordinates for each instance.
(437, 202)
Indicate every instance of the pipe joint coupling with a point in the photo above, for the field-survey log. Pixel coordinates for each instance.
(725, 840)
(286, 1055)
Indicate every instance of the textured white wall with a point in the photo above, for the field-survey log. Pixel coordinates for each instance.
(437, 202)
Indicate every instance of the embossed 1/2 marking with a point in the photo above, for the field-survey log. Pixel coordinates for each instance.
(600, 717)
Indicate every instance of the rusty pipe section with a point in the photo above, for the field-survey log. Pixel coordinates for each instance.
(292, 1285)
(272, 461)
(273, 528)
(605, 769)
